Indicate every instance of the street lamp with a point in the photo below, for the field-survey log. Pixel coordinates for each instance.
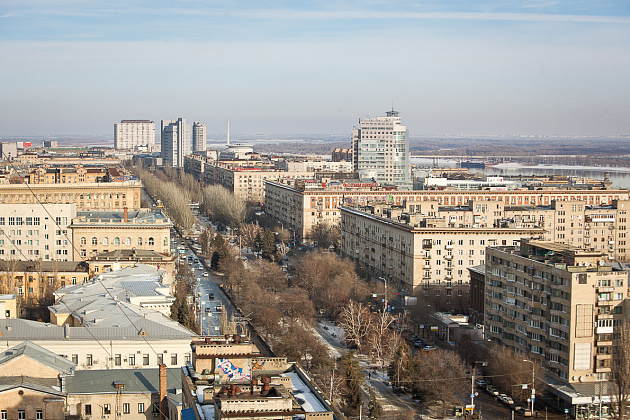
(472, 385)
(533, 395)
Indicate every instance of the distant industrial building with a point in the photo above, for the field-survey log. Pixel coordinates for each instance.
(132, 134)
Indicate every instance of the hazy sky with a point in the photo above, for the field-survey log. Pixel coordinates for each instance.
(461, 66)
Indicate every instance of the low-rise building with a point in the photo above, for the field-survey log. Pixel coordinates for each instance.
(121, 258)
(559, 306)
(100, 232)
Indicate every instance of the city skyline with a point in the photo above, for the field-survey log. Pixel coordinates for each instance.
(475, 68)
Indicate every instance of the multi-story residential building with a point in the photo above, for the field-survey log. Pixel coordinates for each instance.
(199, 135)
(36, 231)
(130, 134)
(300, 208)
(175, 142)
(8, 151)
(87, 196)
(32, 280)
(340, 155)
(558, 305)
(417, 250)
(380, 150)
(99, 232)
(67, 175)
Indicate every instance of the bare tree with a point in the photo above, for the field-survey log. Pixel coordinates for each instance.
(356, 322)
(325, 235)
(248, 233)
(223, 206)
(380, 336)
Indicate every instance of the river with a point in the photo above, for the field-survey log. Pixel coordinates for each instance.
(620, 177)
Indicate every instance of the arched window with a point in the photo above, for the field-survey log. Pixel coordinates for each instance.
(116, 240)
(151, 241)
(83, 241)
(165, 241)
(128, 241)
(94, 241)
(139, 241)
(105, 241)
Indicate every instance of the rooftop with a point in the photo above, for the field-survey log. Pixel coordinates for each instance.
(38, 353)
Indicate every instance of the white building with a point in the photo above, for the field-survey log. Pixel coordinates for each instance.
(175, 142)
(131, 134)
(199, 135)
(381, 150)
(34, 231)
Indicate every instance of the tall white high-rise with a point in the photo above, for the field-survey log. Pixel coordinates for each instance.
(380, 149)
(175, 142)
(199, 137)
(129, 134)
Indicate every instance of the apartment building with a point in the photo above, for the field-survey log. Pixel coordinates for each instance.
(199, 135)
(36, 231)
(130, 134)
(67, 175)
(100, 232)
(417, 252)
(380, 150)
(32, 280)
(558, 305)
(175, 142)
(298, 209)
(87, 196)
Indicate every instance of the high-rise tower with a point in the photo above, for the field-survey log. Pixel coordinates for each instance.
(175, 142)
(199, 137)
(129, 134)
(380, 150)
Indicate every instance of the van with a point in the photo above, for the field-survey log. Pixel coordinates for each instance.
(211, 296)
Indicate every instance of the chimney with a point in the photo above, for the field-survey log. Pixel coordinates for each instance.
(125, 210)
(232, 390)
(163, 400)
(254, 383)
(237, 338)
(265, 388)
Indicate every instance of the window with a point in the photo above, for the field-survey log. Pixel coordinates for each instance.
(21, 415)
(39, 415)
(140, 408)
(145, 360)
(132, 359)
(117, 360)
(151, 241)
(126, 409)
(94, 241)
(116, 241)
(88, 360)
(75, 359)
(3, 415)
(105, 241)
(107, 409)
(165, 241)
(139, 241)
(156, 408)
(128, 241)
(174, 359)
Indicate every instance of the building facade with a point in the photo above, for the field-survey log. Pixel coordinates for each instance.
(558, 305)
(95, 232)
(87, 196)
(36, 231)
(175, 136)
(380, 150)
(130, 134)
(419, 253)
(301, 208)
(199, 135)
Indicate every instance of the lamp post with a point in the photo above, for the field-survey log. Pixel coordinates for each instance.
(533, 394)
(472, 385)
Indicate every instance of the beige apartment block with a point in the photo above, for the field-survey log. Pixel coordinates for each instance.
(87, 196)
(36, 231)
(558, 305)
(32, 280)
(298, 209)
(416, 251)
(67, 175)
(100, 232)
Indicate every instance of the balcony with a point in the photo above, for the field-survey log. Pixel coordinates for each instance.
(448, 257)
(449, 246)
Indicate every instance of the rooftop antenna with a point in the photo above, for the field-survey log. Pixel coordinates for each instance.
(228, 133)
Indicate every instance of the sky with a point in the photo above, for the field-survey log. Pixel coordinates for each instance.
(450, 67)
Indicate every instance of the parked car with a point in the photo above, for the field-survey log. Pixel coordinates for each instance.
(508, 401)
(492, 391)
(525, 412)
(502, 398)
(428, 348)
(481, 383)
(205, 274)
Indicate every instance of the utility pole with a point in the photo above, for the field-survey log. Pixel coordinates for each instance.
(472, 386)
(533, 395)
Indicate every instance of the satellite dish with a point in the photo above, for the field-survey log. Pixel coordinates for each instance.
(575, 378)
(582, 378)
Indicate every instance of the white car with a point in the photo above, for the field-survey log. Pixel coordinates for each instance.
(205, 274)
